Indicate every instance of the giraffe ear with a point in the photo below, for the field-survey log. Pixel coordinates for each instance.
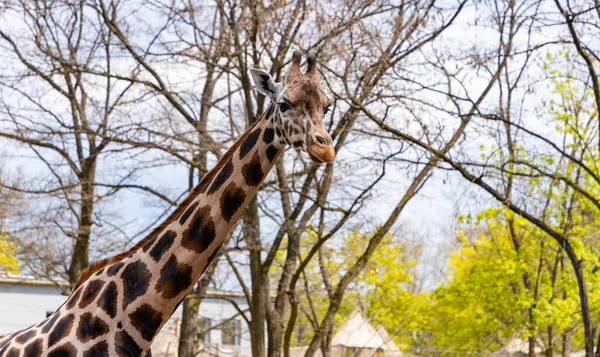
(265, 84)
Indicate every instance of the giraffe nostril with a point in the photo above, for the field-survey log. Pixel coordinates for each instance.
(320, 140)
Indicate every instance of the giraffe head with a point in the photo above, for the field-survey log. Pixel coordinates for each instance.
(301, 105)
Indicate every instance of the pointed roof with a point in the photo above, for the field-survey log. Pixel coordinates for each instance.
(357, 332)
(389, 343)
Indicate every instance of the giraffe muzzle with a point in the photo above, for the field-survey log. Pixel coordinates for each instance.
(321, 154)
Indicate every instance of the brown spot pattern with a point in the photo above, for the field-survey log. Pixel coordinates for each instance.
(61, 330)
(66, 350)
(188, 212)
(146, 320)
(98, 350)
(4, 339)
(136, 279)
(222, 176)
(248, 143)
(108, 299)
(34, 349)
(231, 201)
(272, 153)
(73, 299)
(51, 322)
(268, 135)
(114, 269)
(163, 245)
(252, 171)
(174, 278)
(149, 244)
(126, 346)
(91, 291)
(201, 233)
(90, 327)
(25, 336)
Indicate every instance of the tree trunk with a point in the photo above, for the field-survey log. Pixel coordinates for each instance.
(276, 326)
(531, 345)
(550, 349)
(597, 354)
(189, 325)
(259, 300)
(80, 256)
(566, 342)
(583, 298)
(189, 336)
(251, 231)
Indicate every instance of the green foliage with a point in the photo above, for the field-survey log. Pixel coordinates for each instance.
(380, 290)
(8, 260)
(505, 282)
(507, 278)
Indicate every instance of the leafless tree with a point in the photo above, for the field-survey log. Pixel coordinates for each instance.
(501, 173)
(127, 86)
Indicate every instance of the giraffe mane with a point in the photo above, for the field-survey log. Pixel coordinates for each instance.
(99, 264)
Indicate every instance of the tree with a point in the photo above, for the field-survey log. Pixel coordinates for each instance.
(63, 117)
(487, 300)
(572, 151)
(248, 28)
(383, 289)
(8, 256)
(104, 92)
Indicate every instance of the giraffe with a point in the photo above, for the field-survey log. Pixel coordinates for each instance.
(119, 304)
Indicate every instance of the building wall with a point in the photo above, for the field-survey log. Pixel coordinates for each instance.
(167, 341)
(218, 310)
(24, 303)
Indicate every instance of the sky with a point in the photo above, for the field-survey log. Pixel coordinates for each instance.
(431, 215)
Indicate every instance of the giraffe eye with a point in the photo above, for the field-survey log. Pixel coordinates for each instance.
(326, 110)
(284, 107)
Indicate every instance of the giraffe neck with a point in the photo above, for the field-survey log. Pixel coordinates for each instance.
(127, 303)
(176, 258)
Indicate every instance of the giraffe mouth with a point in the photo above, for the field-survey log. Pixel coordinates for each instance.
(314, 158)
(321, 154)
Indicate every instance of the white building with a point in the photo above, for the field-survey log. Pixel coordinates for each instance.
(26, 301)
